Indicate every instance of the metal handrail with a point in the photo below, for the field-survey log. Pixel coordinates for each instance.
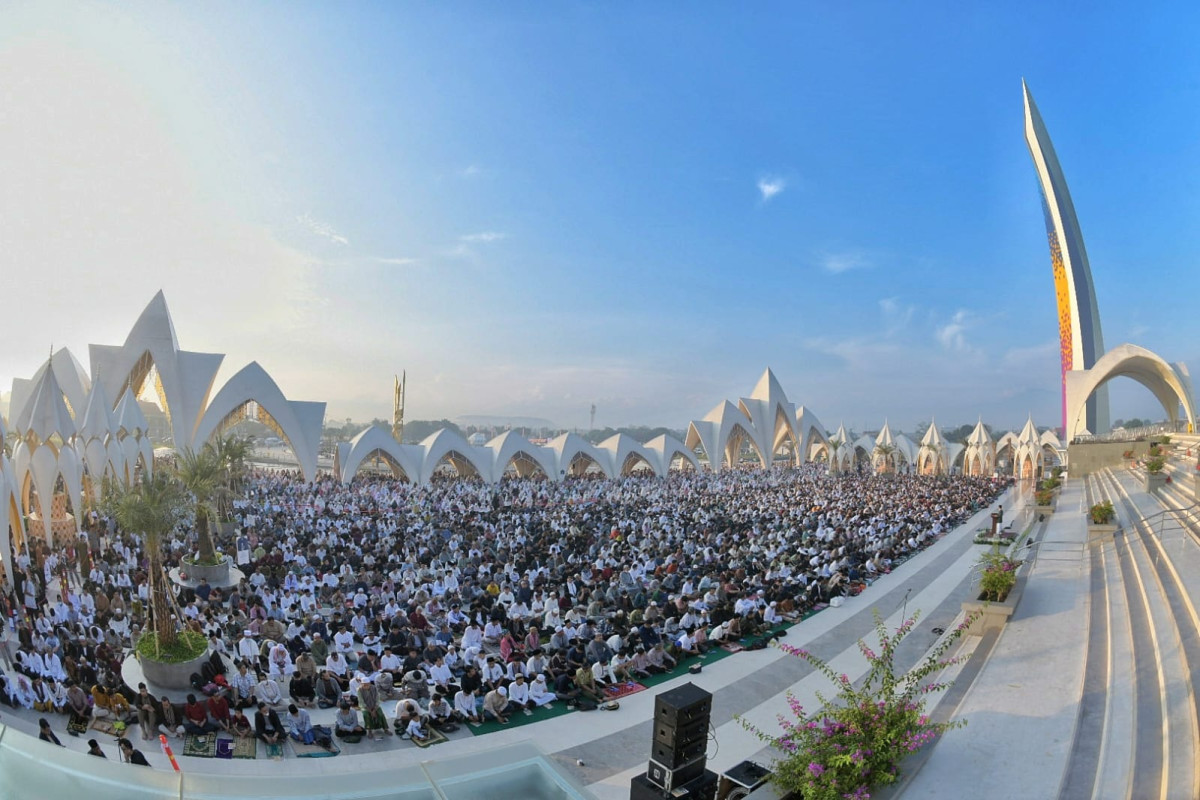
(1169, 520)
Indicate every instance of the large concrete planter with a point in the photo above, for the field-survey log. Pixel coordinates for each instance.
(171, 676)
(1100, 534)
(1043, 510)
(1196, 486)
(993, 615)
(216, 576)
(1155, 481)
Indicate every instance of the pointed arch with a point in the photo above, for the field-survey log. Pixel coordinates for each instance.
(666, 449)
(297, 423)
(376, 440)
(465, 458)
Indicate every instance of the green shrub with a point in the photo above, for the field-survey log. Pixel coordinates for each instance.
(858, 740)
(1155, 465)
(1043, 497)
(999, 575)
(186, 646)
(1102, 513)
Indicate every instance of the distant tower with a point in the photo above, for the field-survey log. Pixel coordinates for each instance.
(1080, 340)
(398, 407)
(592, 424)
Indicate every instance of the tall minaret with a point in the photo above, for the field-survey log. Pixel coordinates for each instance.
(398, 407)
(1080, 341)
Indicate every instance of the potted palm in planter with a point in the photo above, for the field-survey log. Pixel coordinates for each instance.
(1043, 501)
(1155, 477)
(1000, 589)
(1101, 522)
(151, 509)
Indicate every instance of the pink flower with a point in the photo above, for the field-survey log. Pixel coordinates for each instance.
(816, 769)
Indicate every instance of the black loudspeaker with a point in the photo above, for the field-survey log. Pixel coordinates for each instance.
(671, 778)
(682, 705)
(673, 755)
(681, 735)
(640, 788)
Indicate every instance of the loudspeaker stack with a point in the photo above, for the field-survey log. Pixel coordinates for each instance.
(678, 748)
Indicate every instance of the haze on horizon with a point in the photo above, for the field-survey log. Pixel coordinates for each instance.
(535, 210)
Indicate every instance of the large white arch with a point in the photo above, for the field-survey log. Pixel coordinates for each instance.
(772, 418)
(445, 442)
(185, 379)
(511, 444)
(618, 448)
(570, 445)
(664, 448)
(811, 433)
(1169, 383)
(405, 457)
(299, 423)
(714, 432)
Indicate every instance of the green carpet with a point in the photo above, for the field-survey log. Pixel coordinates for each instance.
(519, 718)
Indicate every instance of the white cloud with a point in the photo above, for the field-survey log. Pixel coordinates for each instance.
(952, 335)
(837, 263)
(769, 186)
(397, 262)
(322, 229)
(485, 237)
(469, 171)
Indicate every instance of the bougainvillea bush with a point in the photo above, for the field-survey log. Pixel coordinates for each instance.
(857, 740)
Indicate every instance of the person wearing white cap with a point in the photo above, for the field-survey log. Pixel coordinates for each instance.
(495, 703)
(248, 648)
(771, 614)
(539, 692)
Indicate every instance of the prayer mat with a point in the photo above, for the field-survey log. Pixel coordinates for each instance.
(435, 737)
(200, 746)
(732, 647)
(313, 750)
(239, 747)
(623, 689)
(275, 750)
(106, 726)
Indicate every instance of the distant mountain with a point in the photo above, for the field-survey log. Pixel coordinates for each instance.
(497, 421)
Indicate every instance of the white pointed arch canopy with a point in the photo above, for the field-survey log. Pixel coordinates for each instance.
(526, 458)
(466, 459)
(1170, 384)
(296, 422)
(403, 459)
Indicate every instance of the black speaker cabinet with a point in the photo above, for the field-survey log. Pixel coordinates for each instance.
(674, 754)
(640, 788)
(671, 778)
(683, 704)
(681, 735)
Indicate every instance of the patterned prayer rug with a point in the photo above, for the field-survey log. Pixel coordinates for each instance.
(435, 737)
(200, 746)
(623, 689)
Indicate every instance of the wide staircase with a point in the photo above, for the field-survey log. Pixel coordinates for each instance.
(1138, 731)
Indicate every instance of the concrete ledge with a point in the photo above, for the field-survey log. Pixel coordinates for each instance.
(170, 676)
(1100, 534)
(993, 615)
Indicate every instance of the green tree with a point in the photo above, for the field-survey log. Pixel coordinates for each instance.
(203, 477)
(150, 509)
(231, 453)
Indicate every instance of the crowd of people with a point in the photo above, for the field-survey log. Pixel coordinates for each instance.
(404, 608)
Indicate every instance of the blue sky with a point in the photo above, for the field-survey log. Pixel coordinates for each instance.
(536, 207)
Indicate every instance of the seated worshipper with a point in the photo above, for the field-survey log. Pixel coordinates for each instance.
(302, 691)
(219, 717)
(301, 729)
(195, 717)
(406, 709)
(130, 754)
(328, 690)
(268, 691)
(465, 709)
(415, 730)
(539, 692)
(495, 703)
(243, 683)
(600, 674)
(345, 724)
(267, 726)
(241, 726)
(686, 645)
(248, 649)
(415, 685)
(106, 704)
(280, 662)
(307, 666)
(442, 677)
(337, 665)
(620, 668)
(518, 694)
(440, 714)
(585, 682)
(373, 716)
(47, 735)
(168, 719)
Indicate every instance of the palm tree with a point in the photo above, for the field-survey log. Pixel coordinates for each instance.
(151, 509)
(203, 477)
(231, 452)
(835, 445)
(884, 453)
